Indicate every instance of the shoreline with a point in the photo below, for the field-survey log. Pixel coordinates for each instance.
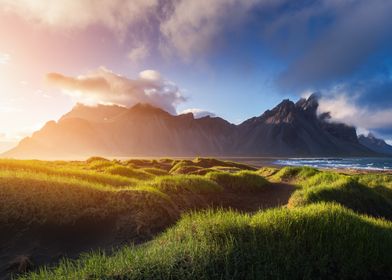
(270, 162)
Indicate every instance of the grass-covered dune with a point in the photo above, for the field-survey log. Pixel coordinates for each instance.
(320, 241)
(366, 194)
(191, 219)
(101, 203)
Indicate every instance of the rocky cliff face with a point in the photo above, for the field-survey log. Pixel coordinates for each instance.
(295, 129)
(290, 129)
(375, 144)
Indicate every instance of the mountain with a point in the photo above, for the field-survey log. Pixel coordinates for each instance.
(375, 144)
(142, 130)
(289, 130)
(295, 130)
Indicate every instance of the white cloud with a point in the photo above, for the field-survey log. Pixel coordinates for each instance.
(9, 109)
(4, 58)
(20, 133)
(105, 87)
(344, 109)
(11, 138)
(114, 14)
(151, 75)
(198, 113)
(362, 131)
(138, 54)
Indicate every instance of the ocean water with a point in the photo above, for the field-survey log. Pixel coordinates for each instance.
(339, 163)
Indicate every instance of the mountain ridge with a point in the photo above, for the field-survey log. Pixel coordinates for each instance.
(375, 144)
(288, 130)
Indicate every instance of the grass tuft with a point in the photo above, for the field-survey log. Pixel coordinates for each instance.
(184, 183)
(129, 172)
(290, 173)
(243, 180)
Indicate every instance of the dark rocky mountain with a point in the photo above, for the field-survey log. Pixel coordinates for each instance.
(288, 130)
(295, 130)
(375, 144)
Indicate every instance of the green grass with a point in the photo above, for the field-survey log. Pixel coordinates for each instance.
(185, 183)
(67, 170)
(368, 194)
(155, 171)
(321, 234)
(184, 168)
(37, 198)
(203, 165)
(375, 180)
(100, 165)
(129, 172)
(243, 180)
(267, 171)
(212, 162)
(96, 159)
(347, 192)
(290, 173)
(321, 241)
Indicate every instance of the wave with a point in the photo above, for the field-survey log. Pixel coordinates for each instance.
(380, 164)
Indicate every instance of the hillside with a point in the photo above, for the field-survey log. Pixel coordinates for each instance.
(289, 130)
(375, 144)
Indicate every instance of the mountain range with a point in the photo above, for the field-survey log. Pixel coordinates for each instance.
(375, 144)
(288, 130)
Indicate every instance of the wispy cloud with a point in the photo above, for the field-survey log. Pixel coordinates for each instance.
(116, 15)
(138, 54)
(105, 87)
(9, 109)
(4, 58)
(343, 108)
(198, 113)
(20, 133)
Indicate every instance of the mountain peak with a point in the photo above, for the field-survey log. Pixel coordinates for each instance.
(147, 108)
(95, 113)
(375, 144)
(309, 105)
(289, 129)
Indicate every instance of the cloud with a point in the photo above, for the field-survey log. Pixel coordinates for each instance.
(138, 54)
(4, 58)
(8, 108)
(358, 30)
(114, 14)
(191, 27)
(105, 87)
(198, 113)
(344, 108)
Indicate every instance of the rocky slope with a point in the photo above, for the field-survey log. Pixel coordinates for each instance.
(290, 129)
(375, 144)
(296, 130)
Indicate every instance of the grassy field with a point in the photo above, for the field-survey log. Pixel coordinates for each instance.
(169, 219)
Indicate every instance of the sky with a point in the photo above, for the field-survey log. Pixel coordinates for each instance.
(228, 58)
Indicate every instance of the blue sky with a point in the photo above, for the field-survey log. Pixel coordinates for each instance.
(232, 58)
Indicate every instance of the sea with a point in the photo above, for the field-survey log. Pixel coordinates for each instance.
(379, 163)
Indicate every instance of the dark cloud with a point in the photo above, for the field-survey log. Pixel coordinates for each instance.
(375, 94)
(356, 34)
